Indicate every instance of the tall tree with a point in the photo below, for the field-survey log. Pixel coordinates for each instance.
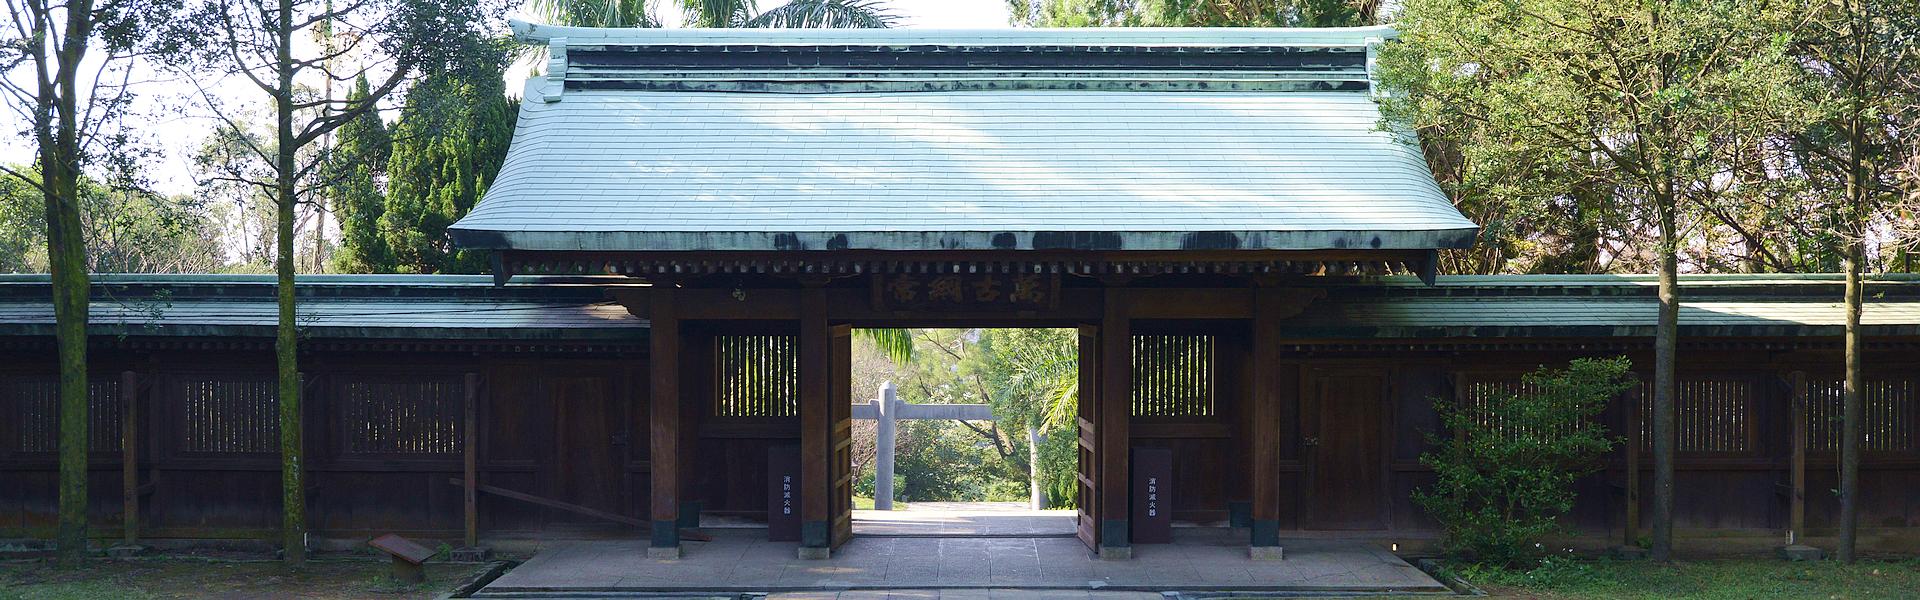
(70, 75)
(1649, 96)
(449, 143)
(256, 41)
(1859, 57)
(356, 169)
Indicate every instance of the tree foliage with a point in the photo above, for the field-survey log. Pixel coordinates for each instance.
(448, 145)
(356, 172)
(1505, 470)
(127, 231)
(1192, 13)
(719, 13)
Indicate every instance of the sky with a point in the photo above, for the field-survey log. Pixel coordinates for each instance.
(176, 136)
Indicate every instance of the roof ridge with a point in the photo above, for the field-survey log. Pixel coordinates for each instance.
(1159, 37)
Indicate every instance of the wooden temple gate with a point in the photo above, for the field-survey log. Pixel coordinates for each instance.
(743, 364)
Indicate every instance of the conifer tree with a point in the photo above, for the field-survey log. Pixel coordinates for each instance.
(448, 144)
(358, 168)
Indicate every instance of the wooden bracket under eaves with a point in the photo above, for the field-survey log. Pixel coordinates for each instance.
(556, 70)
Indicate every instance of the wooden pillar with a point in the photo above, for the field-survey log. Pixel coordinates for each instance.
(470, 458)
(1263, 414)
(663, 413)
(1116, 394)
(816, 442)
(1797, 415)
(129, 458)
(1631, 530)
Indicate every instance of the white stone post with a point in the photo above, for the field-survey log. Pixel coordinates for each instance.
(885, 411)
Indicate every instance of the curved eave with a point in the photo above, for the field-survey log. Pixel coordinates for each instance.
(911, 38)
(616, 241)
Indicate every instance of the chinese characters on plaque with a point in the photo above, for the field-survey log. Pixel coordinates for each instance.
(966, 291)
(783, 493)
(1152, 495)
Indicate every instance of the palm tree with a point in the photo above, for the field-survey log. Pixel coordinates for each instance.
(897, 344)
(719, 13)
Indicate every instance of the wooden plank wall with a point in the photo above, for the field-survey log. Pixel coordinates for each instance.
(386, 433)
(572, 428)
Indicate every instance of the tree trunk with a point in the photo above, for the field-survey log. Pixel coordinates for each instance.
(1852, 401)
(56, 130)
(1036, 488)
(66, 255)
(1665, 346)
(293, 490)
(1853, 407)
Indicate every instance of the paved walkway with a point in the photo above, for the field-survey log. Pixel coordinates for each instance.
(743, 561)
(988, 519)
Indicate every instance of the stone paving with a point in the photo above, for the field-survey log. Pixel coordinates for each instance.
(992, 519)
(743, 561)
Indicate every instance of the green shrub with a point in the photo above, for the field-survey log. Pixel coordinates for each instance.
(1505, 471)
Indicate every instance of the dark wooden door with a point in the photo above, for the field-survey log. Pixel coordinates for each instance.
(840, 392)
(1342, 433)
(1086, 414)
(590, 446)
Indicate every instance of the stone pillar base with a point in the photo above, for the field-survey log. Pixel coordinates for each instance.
(663, 552)
(1799, 552)
(1266, 553)
(1116, 552)
(815, 553)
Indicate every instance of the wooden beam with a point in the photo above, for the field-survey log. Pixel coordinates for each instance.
(1193, 303)
(1263, 415)
(575, 508)
(129, 458)
(1797, 415)
(470, 458)
(663, 417)
(816, 426)
(1116, 387)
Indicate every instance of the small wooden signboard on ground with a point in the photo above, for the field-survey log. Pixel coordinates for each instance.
(409, 557)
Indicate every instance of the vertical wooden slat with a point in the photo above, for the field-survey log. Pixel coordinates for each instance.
(470, 458)
(1797, 414)
(129, 458)
(1634, 439)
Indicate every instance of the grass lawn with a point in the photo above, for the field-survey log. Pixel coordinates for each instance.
(200, 578)
(1564, 579)
(865, 503)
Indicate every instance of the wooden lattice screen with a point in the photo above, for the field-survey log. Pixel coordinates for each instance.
(412, 416)
(1173, 376)
(756, 376)
(1888, 423)
(229, 416)
(1480, 393)
(31, 401)
(1710, 415)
